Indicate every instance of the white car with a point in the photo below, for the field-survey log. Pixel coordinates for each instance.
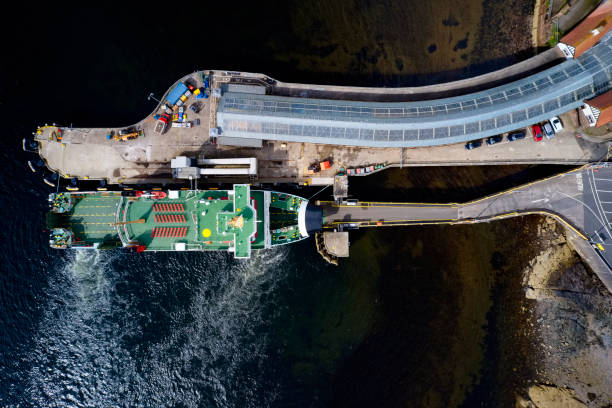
(556, 124)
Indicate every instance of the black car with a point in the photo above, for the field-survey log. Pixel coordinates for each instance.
(516, 136)
(473, 144)
(494, 139)
(195, 107)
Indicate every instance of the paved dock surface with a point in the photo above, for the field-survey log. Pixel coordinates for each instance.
(87, 153)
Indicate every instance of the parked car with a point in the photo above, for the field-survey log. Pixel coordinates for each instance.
(473, 144)
(548, 130)
(556, 124)
(494, 139)
(195, 107)
(516, 136)
(537, 133)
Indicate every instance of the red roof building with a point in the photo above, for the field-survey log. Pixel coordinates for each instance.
(598, 111)
(591, 29)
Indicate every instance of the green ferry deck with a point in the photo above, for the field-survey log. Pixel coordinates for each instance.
(236, 220)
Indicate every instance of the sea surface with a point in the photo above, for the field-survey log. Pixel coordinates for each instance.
(421, 316)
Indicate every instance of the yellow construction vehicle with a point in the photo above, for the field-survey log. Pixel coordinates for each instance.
(122, 137)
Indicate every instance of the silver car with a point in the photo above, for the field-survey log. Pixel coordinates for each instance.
(548, 130)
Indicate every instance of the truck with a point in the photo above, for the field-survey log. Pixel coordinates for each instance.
(317, 167)
(162, 123)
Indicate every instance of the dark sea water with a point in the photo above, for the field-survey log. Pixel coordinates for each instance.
(283, 329)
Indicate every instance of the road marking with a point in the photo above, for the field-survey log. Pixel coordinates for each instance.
(605, 179)
(598, 203)
(541, 199)
(579, 181)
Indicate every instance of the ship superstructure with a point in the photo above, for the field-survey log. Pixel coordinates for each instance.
(236, 220)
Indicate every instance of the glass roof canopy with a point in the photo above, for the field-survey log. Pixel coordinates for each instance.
(425, 123)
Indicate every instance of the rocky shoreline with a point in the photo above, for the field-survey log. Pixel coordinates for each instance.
(571, 314)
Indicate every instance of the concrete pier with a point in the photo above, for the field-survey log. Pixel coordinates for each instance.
(515, 96)
(580, 199)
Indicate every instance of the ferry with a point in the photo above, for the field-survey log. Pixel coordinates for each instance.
(238, 220)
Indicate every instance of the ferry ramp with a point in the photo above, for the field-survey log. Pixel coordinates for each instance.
(580, 199)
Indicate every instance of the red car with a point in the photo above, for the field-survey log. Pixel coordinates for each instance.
(537, 133)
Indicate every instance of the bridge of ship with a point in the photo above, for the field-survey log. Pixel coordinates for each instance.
(458, 119)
